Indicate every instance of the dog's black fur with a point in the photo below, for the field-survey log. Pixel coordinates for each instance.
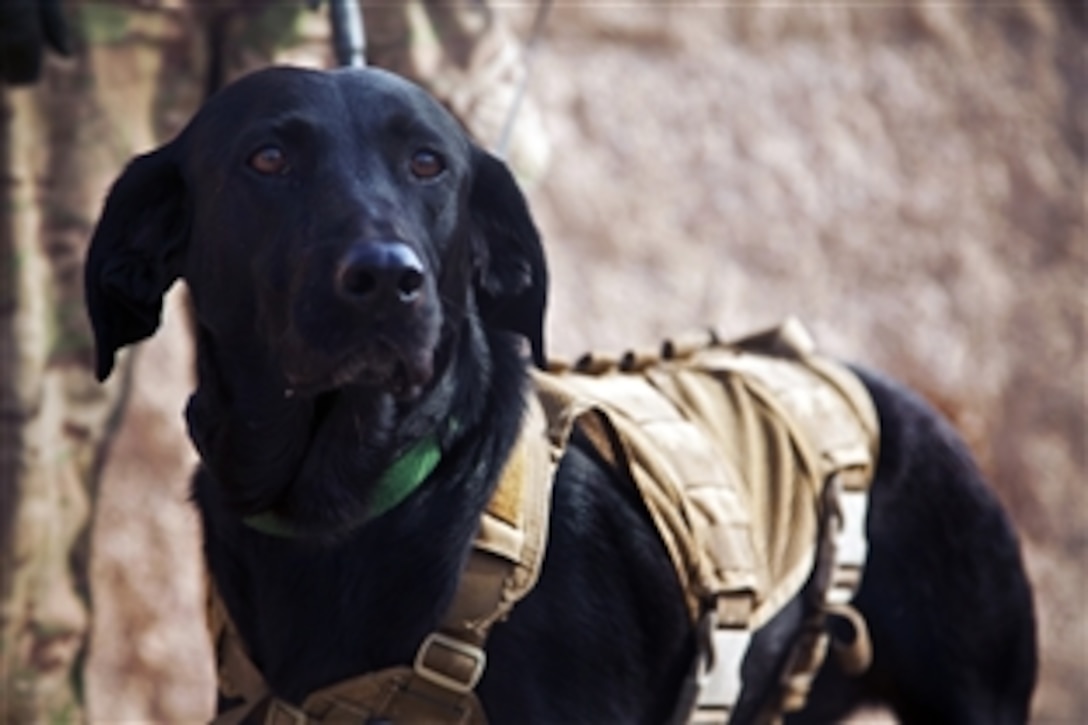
(362, 275)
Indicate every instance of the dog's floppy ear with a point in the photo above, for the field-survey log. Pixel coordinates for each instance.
(513, 282)
(136, 253)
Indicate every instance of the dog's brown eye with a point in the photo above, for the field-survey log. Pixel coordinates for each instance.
(269, 160)
(427, 164)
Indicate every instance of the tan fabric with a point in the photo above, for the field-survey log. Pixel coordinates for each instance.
(730, 447)
(398, 695)
(753, 460)
(464, 53)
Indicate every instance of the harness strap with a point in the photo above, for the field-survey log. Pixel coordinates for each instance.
(846, 430)
(753, 459)
(237, 676)
(503, 566)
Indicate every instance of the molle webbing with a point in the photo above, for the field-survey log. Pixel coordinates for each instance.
(754, 460)
(730, 447)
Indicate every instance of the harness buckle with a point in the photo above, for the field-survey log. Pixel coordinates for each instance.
(450, 663)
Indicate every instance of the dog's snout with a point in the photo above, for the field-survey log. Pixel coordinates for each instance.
(376, 272)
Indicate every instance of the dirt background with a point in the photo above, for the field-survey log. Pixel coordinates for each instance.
(909, 180)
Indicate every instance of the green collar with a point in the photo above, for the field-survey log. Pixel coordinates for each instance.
(397, 483)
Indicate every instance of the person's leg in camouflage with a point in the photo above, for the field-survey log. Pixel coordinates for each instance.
(62, 139)
(137, 71)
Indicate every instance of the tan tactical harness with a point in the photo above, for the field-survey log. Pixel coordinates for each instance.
(753, 459)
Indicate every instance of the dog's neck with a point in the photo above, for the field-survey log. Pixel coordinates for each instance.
(403, 565)
(396, 483)
(325, 464)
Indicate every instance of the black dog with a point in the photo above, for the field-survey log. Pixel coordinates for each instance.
(364, 277)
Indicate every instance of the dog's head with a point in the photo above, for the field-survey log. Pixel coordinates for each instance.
(342, 221)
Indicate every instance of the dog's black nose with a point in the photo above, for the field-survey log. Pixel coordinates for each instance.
(380, 271)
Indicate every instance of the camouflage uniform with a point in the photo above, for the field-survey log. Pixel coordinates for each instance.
(463, 53)
(61, 141)
(134, 76)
